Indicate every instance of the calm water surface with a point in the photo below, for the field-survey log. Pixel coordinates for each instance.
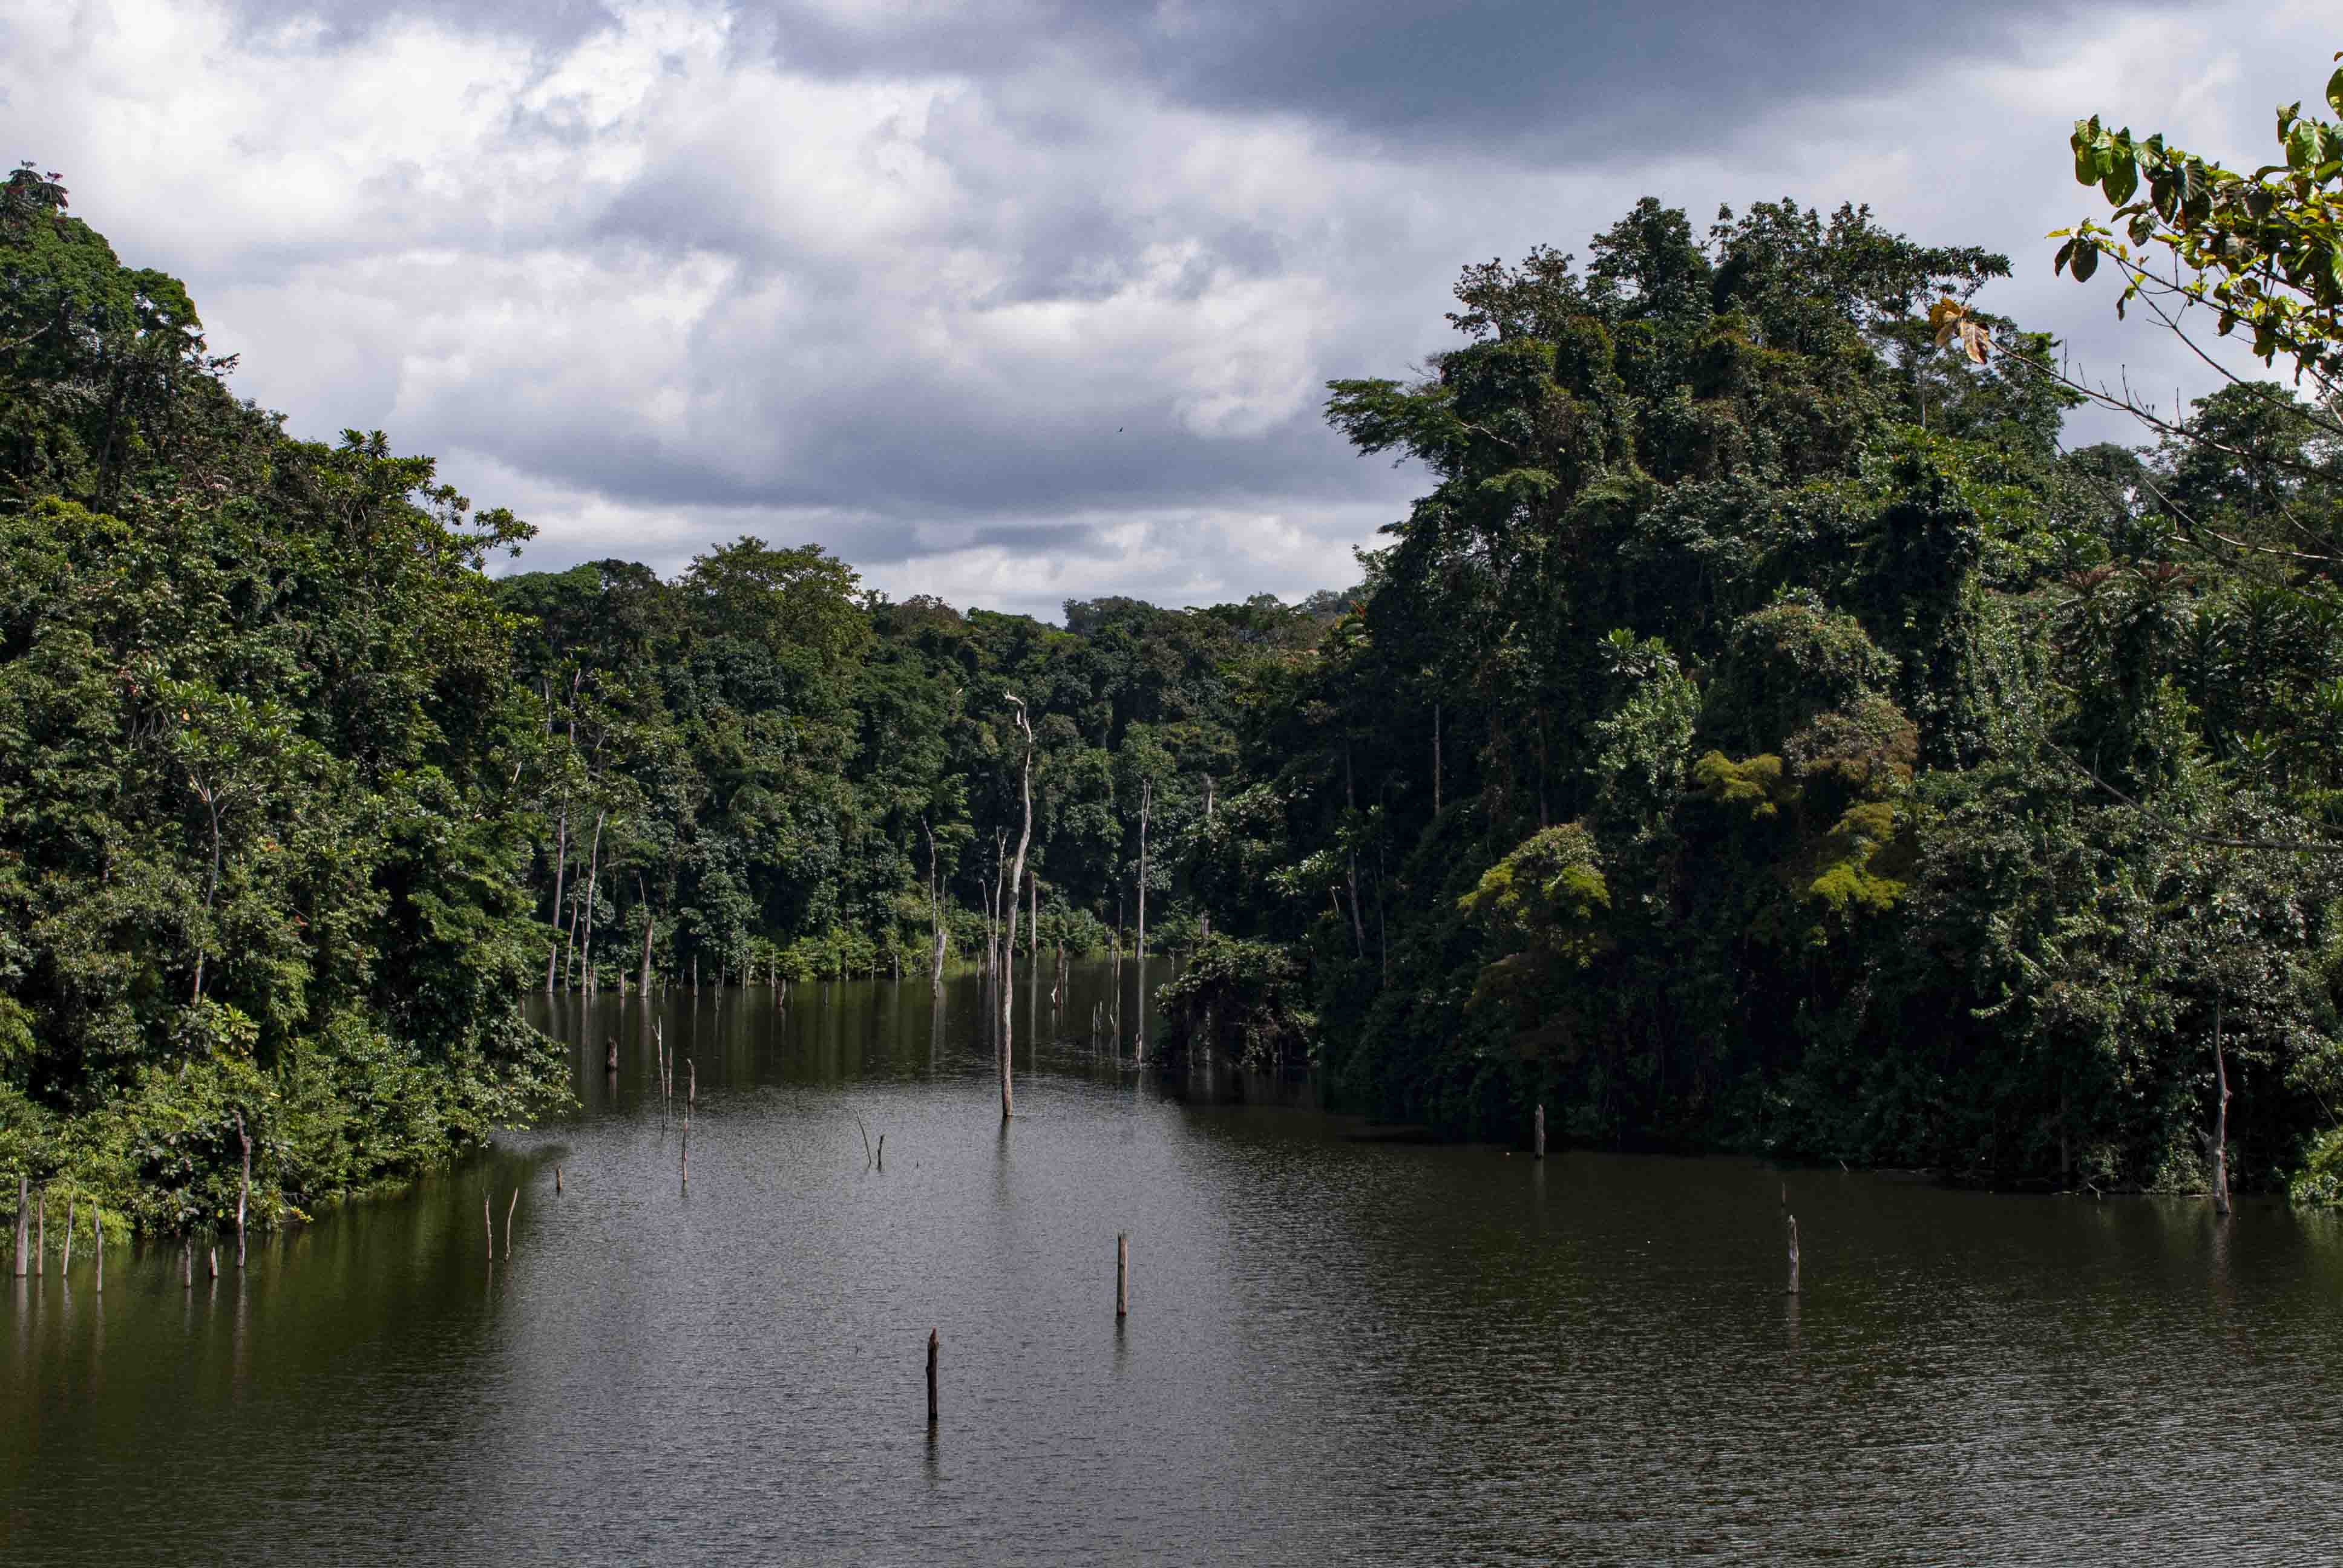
(1339, 1349)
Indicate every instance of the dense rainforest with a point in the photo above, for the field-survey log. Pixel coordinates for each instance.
(1765, 733)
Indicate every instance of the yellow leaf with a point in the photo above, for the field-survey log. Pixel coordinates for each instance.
(1976, 337)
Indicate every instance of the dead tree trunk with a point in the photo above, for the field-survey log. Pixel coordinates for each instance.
(935, 912)
(1146, 801)
(244, 1191)
(1008, 944)
(650, 923)
(23, 1238)
(593, 873)
(2220, 1120)
(561, 862)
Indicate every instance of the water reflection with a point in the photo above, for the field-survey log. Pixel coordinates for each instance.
(1339, 1347)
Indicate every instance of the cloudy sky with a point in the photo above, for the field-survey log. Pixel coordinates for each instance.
(1016, 300)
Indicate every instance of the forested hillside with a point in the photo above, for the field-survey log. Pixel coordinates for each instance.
(1763, 734)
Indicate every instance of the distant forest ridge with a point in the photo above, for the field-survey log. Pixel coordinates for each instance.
(1763, 734)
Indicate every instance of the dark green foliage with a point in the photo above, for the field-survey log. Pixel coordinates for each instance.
(1828, 765)
(1761, 736)
(1241, 1000)
(257, 752)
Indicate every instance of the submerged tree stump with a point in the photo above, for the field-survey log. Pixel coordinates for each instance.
(1121, 1275)
(931, 1377)
(1537, 1136)
(1794, 1256)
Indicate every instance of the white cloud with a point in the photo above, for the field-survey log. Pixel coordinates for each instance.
(668, 281)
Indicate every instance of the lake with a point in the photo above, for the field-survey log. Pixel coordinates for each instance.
(1341, 1347)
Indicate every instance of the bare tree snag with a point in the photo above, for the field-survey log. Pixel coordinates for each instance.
(561, 863)
(243, 1191)
(650, 924)
(1146, 804)
(1024, 837)
(586, 917)
(2220, 1120)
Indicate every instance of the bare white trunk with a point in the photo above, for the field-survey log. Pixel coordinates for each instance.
(1008, 944)
(2220, 1120)
(243, 1191)
(1146, 801)
(593, 875)
(561, 863)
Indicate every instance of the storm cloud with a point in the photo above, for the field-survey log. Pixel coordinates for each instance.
(1014, 301)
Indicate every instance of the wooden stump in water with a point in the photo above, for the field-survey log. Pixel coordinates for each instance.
(215, 1253)
(98, 1243)
(1121, 1275)
(557, 1180)
(882, 1151)
(1794, 1255)
(489, 1219)
(186, 1263)
(508, 1219)
(931, 1377)
(41, 1230)
(23, 1198)
(1538, 1135)
(71, 1213)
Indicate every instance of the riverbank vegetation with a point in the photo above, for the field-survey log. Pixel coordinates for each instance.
(1765, 732)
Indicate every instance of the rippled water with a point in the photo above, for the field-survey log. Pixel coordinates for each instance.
(1340, 1349)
